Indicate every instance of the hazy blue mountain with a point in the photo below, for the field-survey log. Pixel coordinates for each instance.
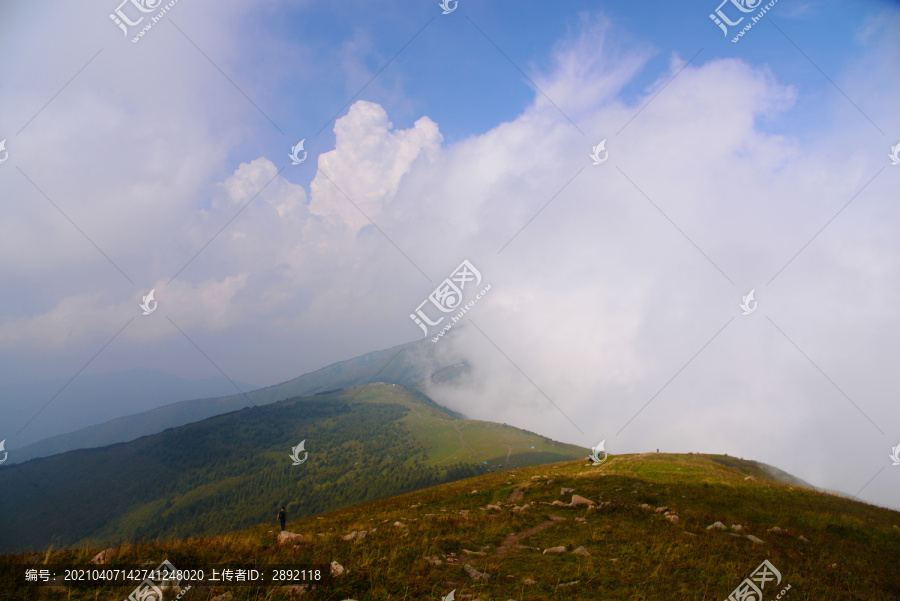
(91, 399)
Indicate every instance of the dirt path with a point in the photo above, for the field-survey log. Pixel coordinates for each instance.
(458, 431)
(515, 495)
(512, 539)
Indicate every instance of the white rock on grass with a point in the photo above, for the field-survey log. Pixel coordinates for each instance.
(754, 540)
(337, 569)
(716, 526)
(581, 551)
(286, 537)
(102, 557)
(555, 550)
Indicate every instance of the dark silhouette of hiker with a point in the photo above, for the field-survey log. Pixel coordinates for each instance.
(282, 517)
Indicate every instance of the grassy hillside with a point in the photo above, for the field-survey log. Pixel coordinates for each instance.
(417, 545)
(407, 365)
(234, 470)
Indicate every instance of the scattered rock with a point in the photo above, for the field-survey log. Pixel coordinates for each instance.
(464, 512)
(716, 526)
(803, 539)
(529, 581)
(474, 492)
(559, 504)
(754, 540)
(286, 537)
(555, 550)
(224, 597)
(672, 517)
(563, 491)
(337, 569)
(579, 500)
(556, 518)
(737, 527)
(295, 590)
(777, 530)
(645, 506)
(689, 533)
(477, 553)
(102, 557)
(350, 536)
(399, 525)
(549, 481)
(662, 509)
(749, 478)
(581, 551)
(581, 520)
(433, 560)
(561, 585)
(533, 478)
(474, 574)
(497, 507)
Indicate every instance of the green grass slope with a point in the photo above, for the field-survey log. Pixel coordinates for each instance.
(417, 545)
(234, 470)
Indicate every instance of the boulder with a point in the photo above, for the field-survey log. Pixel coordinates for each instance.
(737, 527)
(579, 500)
(285, 537)
(716, 526)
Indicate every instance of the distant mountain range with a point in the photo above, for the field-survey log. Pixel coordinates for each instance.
(409, 365)
(234, 470)
(61, 406)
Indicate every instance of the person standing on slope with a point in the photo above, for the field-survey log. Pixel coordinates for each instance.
(282, 517)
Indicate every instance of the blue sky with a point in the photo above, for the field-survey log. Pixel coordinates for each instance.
(761, 164)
